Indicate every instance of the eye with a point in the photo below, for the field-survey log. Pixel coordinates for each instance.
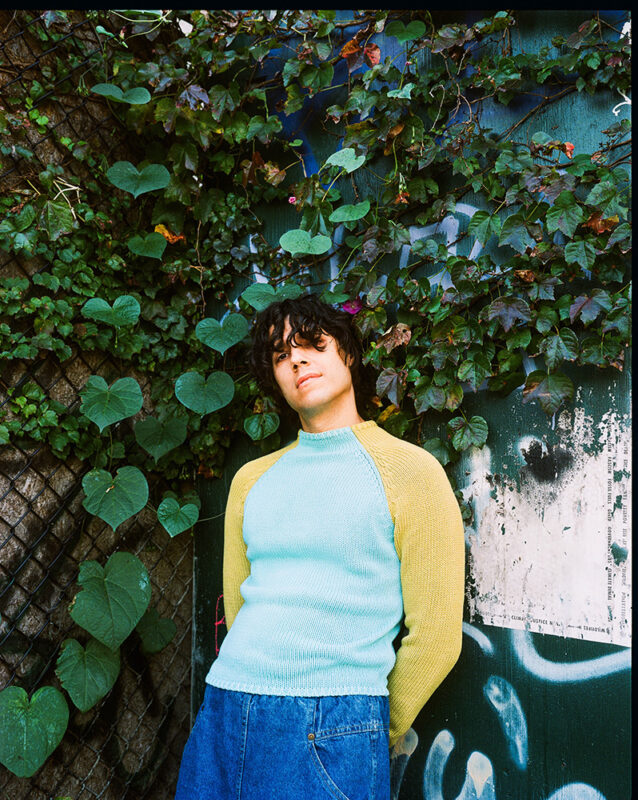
(279, 357)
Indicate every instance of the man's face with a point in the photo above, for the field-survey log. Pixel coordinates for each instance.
(311, 380)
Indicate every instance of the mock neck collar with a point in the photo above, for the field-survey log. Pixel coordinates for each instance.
(334, 436)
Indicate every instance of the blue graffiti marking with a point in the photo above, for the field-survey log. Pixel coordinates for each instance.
(565, 672)
(479, 779)
(440, 750)
(502, 696)
(576, 791)
(480, 638)
(479, 774)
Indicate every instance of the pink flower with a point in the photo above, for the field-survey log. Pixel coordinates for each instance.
(292, 199)
(352, 306)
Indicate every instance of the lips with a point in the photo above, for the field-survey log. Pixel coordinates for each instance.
(305, 378)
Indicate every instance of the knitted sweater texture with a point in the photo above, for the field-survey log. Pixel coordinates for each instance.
(328, 542)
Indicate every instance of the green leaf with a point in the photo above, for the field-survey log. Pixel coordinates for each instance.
(507, 310)
(346, 159)
(405, 33)
(561, 346)
(204, 396)
(113, 599)
(565, 215)
(483, 225)
(514, 233)
(127, 177)
(125, 310)
(136, 96)
(258, 426)
(155, 631)
(474, 371)
(56, 219)
(261, 295)
(466, 433)
(115, 499)
(605, 198)
(87, 674)
(223, 335)
(439, 449)
(391, 382)
(105, 405)
(580, 251)
(589, 307)
(159, 437)
(300, 241)
(30, 730)
(551, 390)
(546, 319)
(405, 93)
(176, 518)
(152, 245)
(350, 213)
(430, 397)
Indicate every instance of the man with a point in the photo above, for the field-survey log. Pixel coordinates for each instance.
(328, 542)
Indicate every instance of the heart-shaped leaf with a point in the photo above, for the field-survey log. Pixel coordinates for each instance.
(300, 241)
(125, 310)
(152, 245)
(155, 631)
(258, 426)
(204, 396)
(176, 518)
(261, 295)
(137, 96)
(222, 335)
(115, 499)
(127, 177)
(159, 437)
(30, 730)
(347, 159)
(105, 404)
(349, 213)
(87, 674)
(113, 599)
(405, 33)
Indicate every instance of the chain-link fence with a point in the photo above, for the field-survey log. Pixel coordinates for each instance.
(129, 744)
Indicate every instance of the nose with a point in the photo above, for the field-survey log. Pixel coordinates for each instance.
(297, 356)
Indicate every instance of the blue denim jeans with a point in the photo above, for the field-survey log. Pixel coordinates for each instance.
(247, 746)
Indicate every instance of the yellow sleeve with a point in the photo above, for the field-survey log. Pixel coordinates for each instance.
(236, 566)
(430, 543)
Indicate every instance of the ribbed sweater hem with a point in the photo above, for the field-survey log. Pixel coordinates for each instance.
(332, 691)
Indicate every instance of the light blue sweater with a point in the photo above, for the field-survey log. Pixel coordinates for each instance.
(322, 603)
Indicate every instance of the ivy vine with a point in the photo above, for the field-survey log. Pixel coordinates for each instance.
(163, 260)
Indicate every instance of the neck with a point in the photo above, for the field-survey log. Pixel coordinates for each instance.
(320, 420)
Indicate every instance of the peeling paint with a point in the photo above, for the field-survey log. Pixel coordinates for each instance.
(550, 549)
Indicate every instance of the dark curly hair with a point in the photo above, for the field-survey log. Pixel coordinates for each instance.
(309, 318)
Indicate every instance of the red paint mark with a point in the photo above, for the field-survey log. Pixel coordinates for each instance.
(218, 621)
